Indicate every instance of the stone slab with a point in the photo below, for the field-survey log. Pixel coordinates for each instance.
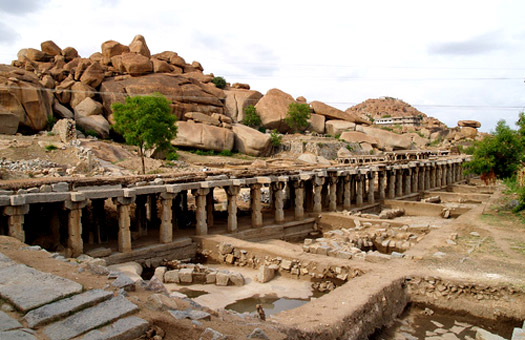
(124, 329)
(8, 323)
(90, 318)
(16, 335)
(27, 288)
(5, 261)
(59, 309)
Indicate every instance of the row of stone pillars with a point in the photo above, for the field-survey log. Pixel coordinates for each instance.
(305, 193)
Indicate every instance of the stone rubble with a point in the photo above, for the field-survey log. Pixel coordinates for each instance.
(182, 273)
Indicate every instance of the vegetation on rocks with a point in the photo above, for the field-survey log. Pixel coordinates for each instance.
(297, 116)
(220, 82)
(145, 121)
(251, 118)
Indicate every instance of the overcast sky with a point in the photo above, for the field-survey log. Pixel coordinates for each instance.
(451, 59)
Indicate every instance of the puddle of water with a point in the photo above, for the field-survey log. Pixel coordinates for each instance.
(417, 323)
(271, 305)
(192, 293)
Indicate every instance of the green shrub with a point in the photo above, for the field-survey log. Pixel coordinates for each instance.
(51, 147)
(262, 129)
(226, 153)
(275, 138)
(350, 148)
(51, 121)
(297, 116)
(386, 116)
(92, 133)
(251, 118)
(172, 156)
(220, 82)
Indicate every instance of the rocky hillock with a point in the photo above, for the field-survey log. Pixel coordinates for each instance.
(43, 85)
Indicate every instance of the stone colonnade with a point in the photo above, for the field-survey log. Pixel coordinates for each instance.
(306, 192)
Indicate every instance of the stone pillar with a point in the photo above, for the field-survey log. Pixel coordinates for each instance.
(359, 190)
(210, 207)
(332, 205)
(381, 183)
(279, 201)
(124, 233)
(318, 187)
(309, 195)
(201, 213)
(438, 175)
(75, 246)
(371, 187)
(298, 186)
(408, 181)
(256, 205)
(232, 191)
(433, 176)
(391, 184)
(421, 179)
(141, 214)
(443, 175)
(427, 177)
(414, 179)
(399, 183)
(340, 190)
(347, 197)
(15, 220)
(166, 221)
(449, 174)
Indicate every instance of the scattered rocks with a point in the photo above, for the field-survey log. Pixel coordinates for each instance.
(191, 273)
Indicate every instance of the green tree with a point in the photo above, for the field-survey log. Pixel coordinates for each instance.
(145, 121)
(251, 118)
(502, 153)
(297, 116)
(219, 82)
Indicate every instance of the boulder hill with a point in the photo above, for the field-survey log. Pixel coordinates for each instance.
(57, 82)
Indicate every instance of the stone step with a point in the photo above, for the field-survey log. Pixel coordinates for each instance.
(124, 329)
(56, 310)
(17, 334)
(8, 323)
(27, 288)
(90, 318)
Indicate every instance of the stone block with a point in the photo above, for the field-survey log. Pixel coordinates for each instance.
(286, 265)
(237, 279)
(61, 308)
(160, 272)
(60, 187)
(225, 248)
(482, 334)
(27, 288)
(172, 276)
(186, 275)
(125, 282)
(128, 328)
(7, 323)
(210, 277)
(265, 274)
(222, 279)
(16, 335)
(90, 318)
(230, 258)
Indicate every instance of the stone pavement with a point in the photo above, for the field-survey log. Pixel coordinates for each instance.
(40, 304)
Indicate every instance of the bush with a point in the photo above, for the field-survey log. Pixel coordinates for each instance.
(251, 118)
(51, 147)
(226, 153)
(51, 121)
(275, 138)
(172, 156)
(220, 82)
(297, 116)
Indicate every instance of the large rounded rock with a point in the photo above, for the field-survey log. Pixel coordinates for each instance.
(112, 48)
(202, 136)
(69, 53)
(138, 45)
(237, 100)
(8, 122)
(272, 108)
(185, 94)
(469, 123)
(96, 123)
(337, 127)
(93, 75)
(50, 48)
(36, 55)
(136, 64)
(331, 112)
(358, 137)
(250, 141)
(387, 140)
(88, 107)
(25, 97)
(469, 132)
(79, 92)
(317, 123)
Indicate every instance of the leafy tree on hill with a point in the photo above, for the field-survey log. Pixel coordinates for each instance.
(251, 118)
(297, 116)
(145, 121)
